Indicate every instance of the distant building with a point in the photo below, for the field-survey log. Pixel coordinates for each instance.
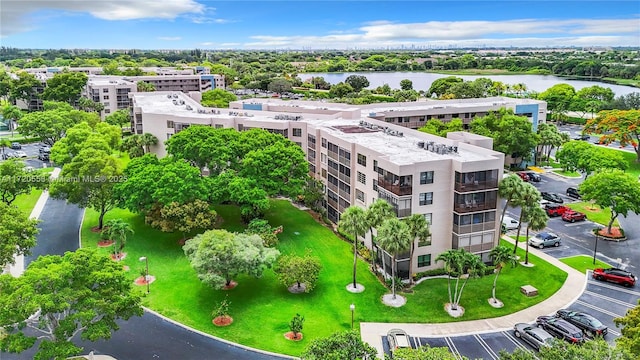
(452, 182)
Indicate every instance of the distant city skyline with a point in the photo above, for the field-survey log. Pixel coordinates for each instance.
(317, 25)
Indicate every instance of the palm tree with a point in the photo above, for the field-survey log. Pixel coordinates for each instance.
(147, 140)
(117, 230)
(394, 237)
(527, 199)
(459, 263)
(419, 228)
(501, 256)
(353, 221)
(536, 219)
(376, 214)
(508, 189)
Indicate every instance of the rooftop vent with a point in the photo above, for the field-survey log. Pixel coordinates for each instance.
(189, 107)
(168, 96)
(175, 102)
(175, 96)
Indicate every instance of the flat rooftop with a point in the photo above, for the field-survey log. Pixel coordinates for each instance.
(103, 81)
(443, 104)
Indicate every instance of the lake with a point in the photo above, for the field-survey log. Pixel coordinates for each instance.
(422, 80)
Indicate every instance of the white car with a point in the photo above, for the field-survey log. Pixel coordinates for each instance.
(510, 223)
(20, 154)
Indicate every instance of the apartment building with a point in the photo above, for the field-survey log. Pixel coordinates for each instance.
(111, 91)
(34, 103)
(451, 181)
(97, 70)
(184, 83)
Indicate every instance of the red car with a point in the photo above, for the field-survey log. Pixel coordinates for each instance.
(555, 209)
(573, 216)
(614, 275)
(523, 176)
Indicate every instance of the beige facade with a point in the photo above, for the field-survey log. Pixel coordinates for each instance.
(451, 181)
(111, 92)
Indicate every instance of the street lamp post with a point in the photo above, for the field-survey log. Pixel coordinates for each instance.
(146, 276)
(352, 307)
(595, 249)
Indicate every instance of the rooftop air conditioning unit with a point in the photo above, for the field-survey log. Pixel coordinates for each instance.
(189, 107)
(400, 134)
(181, 102)
(175, 102)
(421, 144)
(168, 96)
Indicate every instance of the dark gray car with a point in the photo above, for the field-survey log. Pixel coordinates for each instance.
(534, 336)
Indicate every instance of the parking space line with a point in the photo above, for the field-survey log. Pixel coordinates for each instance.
(619, 302)
(513, 340)
(598, 309)
(452, 347)
(416, 340)
(486, 347)
(606, 285)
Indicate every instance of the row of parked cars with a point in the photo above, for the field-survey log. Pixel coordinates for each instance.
(571, 326)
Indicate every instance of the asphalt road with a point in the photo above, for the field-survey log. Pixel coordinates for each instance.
(146, 337)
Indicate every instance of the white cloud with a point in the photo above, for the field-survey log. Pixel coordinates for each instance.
(170, 38)
(15, 18)
(519, 33)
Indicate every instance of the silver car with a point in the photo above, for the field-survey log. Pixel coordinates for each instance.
(534, 336)
(545, 239)
(398, 339)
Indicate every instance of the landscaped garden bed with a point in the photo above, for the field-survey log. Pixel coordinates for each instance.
(262, 308)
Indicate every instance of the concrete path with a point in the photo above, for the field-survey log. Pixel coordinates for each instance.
(570, 291)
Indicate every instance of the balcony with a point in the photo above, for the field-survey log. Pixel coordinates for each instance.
(476, 185)
(396, 187)
(473, 206)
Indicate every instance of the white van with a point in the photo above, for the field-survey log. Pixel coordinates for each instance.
(510, 223)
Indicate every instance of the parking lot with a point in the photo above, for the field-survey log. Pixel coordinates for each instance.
(32, 151)
(604, 301)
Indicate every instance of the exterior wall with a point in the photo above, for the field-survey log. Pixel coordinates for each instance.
(113, 95)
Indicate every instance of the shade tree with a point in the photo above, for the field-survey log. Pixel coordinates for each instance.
(345, 345)
(60, 299)
(357, 82)
(439, 128)
(184, 218)
(629, 339)
(119, 118)
(24, 86)
(16, 180)
(612, 189)
(218, 98)
(18, 233)
(298, 272)
(218, 256)
(617, 125)
(65, 87)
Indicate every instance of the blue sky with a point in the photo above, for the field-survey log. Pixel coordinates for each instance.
(334, 24)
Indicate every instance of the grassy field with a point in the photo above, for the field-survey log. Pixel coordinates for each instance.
(571, 174)
(26, 202)
(583, 263)
(262, 308)
(593, 212)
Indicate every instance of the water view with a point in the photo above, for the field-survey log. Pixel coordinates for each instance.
(422, 81)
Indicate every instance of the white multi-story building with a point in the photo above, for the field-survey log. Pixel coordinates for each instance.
(452, 181)
(111, 91)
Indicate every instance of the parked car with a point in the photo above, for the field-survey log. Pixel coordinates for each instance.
(20, 154)
(588, 324)
(43, 156)
(573, 192)
(615, 275)
(552, 197)
(573, 216)
(510, 223)
(44, 149)
(523, 176)
(583, 137)
(555, 210)
(533, 177)
(560, 328)
(397, 339)
(535, 336)
(545, 239)
(16, 146)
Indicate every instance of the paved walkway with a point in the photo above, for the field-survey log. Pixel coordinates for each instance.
(568, 294)
(18, 268)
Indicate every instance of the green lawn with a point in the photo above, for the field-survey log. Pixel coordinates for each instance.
(262, 308)
(593, 212)
(571, 174)
(26, 202)
(583, 263)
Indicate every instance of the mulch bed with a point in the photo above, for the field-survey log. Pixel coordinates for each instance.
(224, 320)
(118, 257)
(231, 285)
(614, 234)
(140, 280)
(105, 243)
(289, 336)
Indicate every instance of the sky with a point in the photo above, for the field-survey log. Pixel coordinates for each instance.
(329, 24)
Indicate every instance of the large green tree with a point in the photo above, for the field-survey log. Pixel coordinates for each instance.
(441, 86)
(593, 349)
(588, 158)
(60, 297)
(630, 323)
(612, 189)
(512, 135)
(65, 87)
(558, 97)
(353, 221)
(347, 345)
(24, 87)
(102, 136)
(18, 233)
(120, 118)
(218, 256)
(617, 125)
(437, 127)
(293, 270)
(219, 98)
(357, 82)
(16, 180)
(51, 124)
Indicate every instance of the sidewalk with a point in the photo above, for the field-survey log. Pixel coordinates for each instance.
(18, 268)
(573, 287)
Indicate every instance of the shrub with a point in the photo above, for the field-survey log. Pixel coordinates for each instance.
(222, 309)
(399, 284)
(296, 325)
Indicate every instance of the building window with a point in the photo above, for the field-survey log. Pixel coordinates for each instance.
(323, 158)
(106, 111)
(299, 143)
(297, 132)
(107, 104)
(105, 97)
(219, 126)
(426, 177)
(362, 160)
(375, 165)
(424, 260)
(375, 185)
(362, 178)
(170, 124)
(169, 136)
(105, 90)
(428, 218)
(359, 195)
(426, 198)
(324, 143)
